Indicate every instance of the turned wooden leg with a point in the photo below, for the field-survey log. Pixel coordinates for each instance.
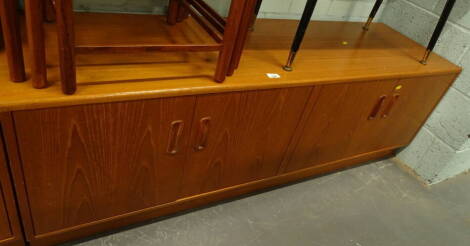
(35, 30)
(437, 32)
(172, 15)
(236, 14)
(12, 40)
(49, 10)
(244, 28)
(374, 11)
(66, 41)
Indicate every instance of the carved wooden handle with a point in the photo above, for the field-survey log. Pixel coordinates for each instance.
(390, 105)
(176, 130)
(377, 107)
(204, 125)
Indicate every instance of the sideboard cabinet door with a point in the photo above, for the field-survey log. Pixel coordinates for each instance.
(10, 231)
(358, 118)
(413, 101)
(87, 163)
(333, 124)
(240, 137)
(5, 230)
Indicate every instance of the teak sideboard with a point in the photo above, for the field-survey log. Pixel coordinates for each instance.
(121, 153)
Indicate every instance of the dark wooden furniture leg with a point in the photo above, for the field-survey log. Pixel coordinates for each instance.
(299, 36)
(172, 15)
(1, 35)
(49, 10)
(245, 25)
(230, 36)
(12, 40)
(34, 18)
(66, 41)
(183, 13)
(374, 11)
(437, 32)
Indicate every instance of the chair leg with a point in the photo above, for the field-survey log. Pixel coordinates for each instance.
(66, 41)
(299, 36)
(12, 40)
(374, 11)
(49, 10)
(183, 13)
(437, 32)
(255, 16)
(172, 15)
(2, 45)
(34, 18)
(236, 14)
(245, 25)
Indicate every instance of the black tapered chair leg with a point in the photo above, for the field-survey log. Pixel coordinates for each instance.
(255, 15)
(374, 11)
(438, 30)
(299, 36)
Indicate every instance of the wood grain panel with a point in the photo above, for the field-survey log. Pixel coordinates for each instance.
(408, 105)
(248, 136)
(417, 99)
(5, 230)
(87, 163)
(10, 229)
(203, 199)
(331, 128)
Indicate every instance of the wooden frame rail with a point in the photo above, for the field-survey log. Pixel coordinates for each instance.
(216, 36)
(147, 48)
(224, 32)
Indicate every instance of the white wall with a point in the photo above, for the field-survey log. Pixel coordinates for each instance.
(442, 148)
(352, 10)
(341, 10)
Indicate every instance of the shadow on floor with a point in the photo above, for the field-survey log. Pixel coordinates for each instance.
(376, 204)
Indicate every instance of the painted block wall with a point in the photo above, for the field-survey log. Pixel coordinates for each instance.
(442, 148)
(136, 6)
(339, 10)
(344, 10)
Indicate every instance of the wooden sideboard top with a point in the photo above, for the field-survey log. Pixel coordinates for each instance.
(332, 52)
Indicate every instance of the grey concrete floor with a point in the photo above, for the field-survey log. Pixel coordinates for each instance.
(371, 205)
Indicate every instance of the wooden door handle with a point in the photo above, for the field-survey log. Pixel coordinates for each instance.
(204, 125)
(389, 107)
(176, 130)
(377, 107)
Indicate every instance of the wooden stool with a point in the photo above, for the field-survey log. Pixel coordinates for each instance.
(12, 40)
(224, 32)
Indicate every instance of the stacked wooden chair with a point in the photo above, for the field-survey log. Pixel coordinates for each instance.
(229, 35)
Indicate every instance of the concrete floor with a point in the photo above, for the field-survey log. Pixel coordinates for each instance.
(372, 205)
